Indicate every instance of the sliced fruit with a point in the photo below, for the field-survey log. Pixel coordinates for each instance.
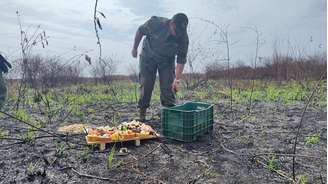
(116, 137)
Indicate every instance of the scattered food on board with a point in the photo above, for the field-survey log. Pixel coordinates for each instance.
(127, 131)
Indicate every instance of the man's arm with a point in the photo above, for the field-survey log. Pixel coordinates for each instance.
(136, 43)
(144, 29)
(181, 60)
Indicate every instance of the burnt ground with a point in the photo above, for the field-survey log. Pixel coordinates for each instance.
(238, 151)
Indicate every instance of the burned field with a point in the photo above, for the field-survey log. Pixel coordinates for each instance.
(246, 146)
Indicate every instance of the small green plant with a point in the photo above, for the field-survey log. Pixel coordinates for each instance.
(76, 111)
(23, 115)
(272, 163)
(214, 174)
(31, 132)
(115, 118)
(248, 117)
(91, 110)
(60, 150)
(84, 155)
(110, 157)
(31, 169)
(312, 139)
(3, 133)
(303, 179)
(30, 135)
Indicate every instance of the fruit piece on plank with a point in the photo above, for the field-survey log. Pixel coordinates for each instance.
(116, 136)
(129, 134)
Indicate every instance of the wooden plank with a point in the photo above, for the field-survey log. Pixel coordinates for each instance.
(124, 140)
(137, 142)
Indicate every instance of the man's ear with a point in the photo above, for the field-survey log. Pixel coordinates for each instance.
(173, 28)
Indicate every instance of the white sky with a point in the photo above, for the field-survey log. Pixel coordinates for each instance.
(300, 24)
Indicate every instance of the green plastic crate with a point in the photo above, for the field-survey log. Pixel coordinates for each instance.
(187, 122)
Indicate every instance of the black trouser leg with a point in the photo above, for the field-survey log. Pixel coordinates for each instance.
(147, 77)
(166, 77)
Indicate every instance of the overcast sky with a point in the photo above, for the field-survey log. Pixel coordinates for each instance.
(297, 24)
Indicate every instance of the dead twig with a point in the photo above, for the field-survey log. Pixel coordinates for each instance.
(29, 124)
(61, 137)
(255, 62)
(301, 121)
(279, 172)
(11, 138)
(259, 154)
(219, 134)
(97, 22)
(91, 176)
(321, 179)
(86, 175)
(289, 155)
(11, 144)
(228, 150)
(202, 162)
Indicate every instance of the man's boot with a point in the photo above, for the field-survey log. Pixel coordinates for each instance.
(142, 114)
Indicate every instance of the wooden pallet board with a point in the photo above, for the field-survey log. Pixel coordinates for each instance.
(102, 144)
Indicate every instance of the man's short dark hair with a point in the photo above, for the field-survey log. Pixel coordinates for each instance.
(181, 21)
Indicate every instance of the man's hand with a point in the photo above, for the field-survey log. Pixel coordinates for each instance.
(175, 85)
(178, 75)
(134, 53)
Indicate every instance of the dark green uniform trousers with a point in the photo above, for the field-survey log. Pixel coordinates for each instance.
(147, 77)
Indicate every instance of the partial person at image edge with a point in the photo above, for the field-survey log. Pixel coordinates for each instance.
(4, 67)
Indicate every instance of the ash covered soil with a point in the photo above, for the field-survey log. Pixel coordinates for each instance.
(254, 148)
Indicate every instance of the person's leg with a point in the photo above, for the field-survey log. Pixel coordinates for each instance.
(3, 91)
(166, 77)
(147, 77)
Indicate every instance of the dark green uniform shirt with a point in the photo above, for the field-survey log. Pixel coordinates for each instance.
(160, 44)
